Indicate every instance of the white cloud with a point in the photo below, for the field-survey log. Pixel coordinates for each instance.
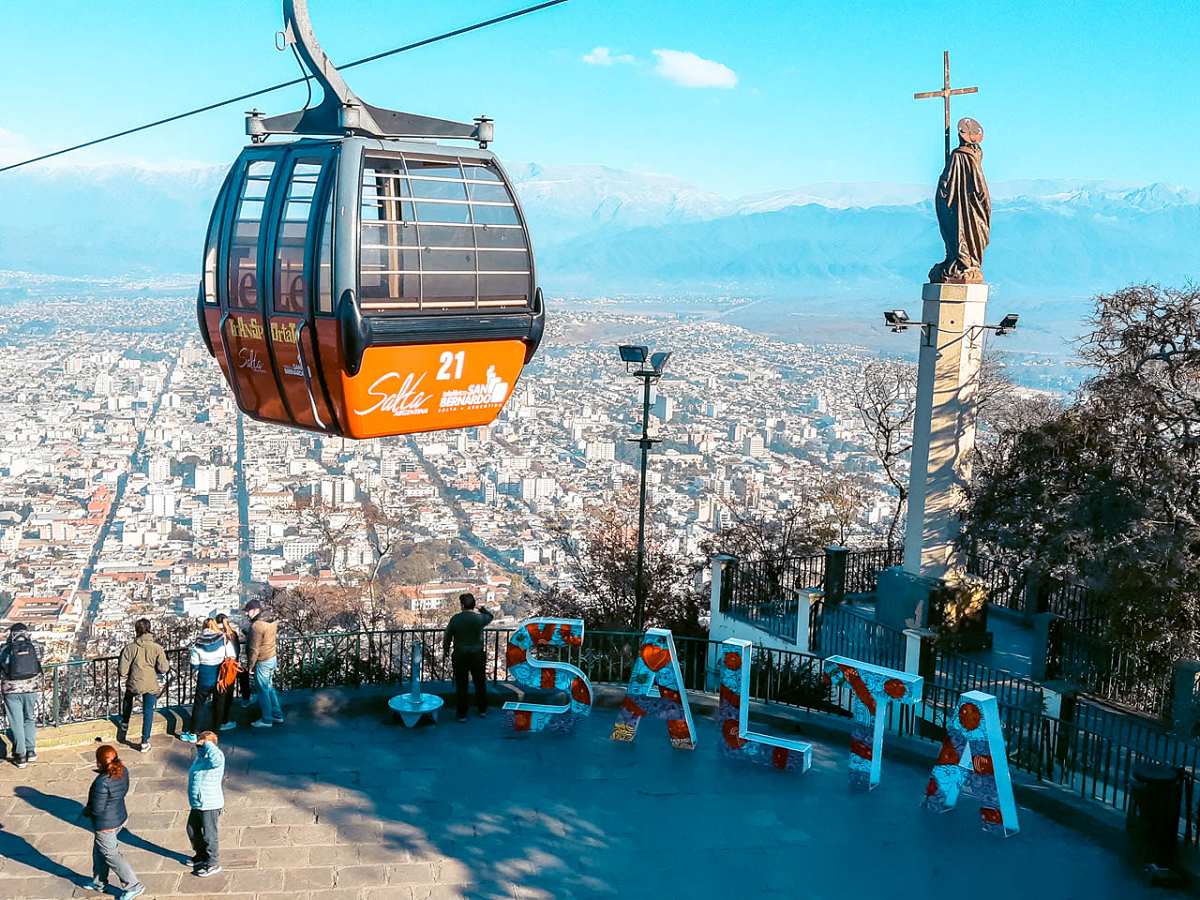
(600, 56)
(691, 71)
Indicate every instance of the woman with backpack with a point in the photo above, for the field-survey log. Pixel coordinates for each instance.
(21, 685)
(209, 653)
(241, 676)
(106, 808)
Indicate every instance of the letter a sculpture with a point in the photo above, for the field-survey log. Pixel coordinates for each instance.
(974, 758)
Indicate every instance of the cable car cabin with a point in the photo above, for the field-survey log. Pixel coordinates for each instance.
(366, 287)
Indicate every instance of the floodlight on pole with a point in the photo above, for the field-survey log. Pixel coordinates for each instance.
(633, 353)
(1007, 324)
(639, 355)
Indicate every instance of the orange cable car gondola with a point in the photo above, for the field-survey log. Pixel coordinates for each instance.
(372, 282)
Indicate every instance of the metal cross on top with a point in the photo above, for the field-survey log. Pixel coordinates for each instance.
(946, 93)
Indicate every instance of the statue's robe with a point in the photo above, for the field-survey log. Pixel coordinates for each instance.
(964, 212)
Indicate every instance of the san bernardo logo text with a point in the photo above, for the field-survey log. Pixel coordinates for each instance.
(492, 392)
(401, 397)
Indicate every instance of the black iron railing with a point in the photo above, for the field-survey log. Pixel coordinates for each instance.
(1083, 655)
(843, 631)
(864, 566)
(763, 592)
(1091, 755)
(1006, 584)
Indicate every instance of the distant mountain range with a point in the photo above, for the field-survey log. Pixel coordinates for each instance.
(602, 231)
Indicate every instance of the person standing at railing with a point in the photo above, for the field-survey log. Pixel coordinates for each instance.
(21, 684)
(465, 632)
(206, 799)
(208, 652)
(143, 666)
(106, 808)
(262, 662)
(242, 677)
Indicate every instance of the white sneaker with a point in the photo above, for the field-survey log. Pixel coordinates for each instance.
(228, 726)
(259, 723)
(278, 720)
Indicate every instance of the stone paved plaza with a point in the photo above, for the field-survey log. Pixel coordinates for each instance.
(363, 810)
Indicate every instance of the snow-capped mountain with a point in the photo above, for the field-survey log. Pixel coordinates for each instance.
(601, 231)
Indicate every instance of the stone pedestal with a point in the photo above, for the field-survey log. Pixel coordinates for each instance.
(944, 427)
(902, 598)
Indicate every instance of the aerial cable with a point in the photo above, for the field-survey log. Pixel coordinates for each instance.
(275, 87)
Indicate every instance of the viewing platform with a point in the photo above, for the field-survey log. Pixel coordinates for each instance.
(343, 803)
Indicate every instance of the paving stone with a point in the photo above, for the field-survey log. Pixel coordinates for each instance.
(285, 857)
(410, 873)
(360, 876)
(309, 878)
(292, 815)
(298, 835)
(263, 836)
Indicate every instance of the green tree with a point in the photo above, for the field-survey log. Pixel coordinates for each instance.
(1105, 490)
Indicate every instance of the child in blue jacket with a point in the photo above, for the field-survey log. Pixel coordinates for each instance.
(206, 799)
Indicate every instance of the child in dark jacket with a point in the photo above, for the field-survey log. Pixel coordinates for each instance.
(208, 652)
(106, 809)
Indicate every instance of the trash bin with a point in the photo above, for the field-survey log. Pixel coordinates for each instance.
(1153, 817)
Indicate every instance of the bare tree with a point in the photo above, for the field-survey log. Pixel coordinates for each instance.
(886, 400)
(846, 496)
(765, 533)
(603, 562)
(336, 528)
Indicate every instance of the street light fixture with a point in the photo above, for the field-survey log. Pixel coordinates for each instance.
(636, 355)
(1007, 324)
(633, 353)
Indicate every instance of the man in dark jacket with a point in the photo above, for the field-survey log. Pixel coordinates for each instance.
(21, 684)
(143, 665)
(465, 632)
(262, 661)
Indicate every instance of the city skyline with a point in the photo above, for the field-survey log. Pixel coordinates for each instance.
(135, 488)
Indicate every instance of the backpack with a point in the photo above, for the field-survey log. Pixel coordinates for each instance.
(227, 673)
(21, 660)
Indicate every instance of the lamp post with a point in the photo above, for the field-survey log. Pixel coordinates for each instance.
(642, 364)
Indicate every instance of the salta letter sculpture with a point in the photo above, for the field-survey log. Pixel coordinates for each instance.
(974, 757)
(736, 738)
(656, 690)
(873, 687)
(526, 669)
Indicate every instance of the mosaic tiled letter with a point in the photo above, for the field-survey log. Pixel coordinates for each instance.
(525, 669)
(973, 757)
(872, 688)
(736, 738)
(656, 690)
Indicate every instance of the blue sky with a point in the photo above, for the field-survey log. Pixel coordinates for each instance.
(747, 97)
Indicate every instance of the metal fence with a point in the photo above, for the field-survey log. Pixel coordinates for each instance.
(1089, 755)
(1071, 601)
(842, 631)
(763, 592)
(1079, 652)
(1006, 584)
(961, 673)
(864, 566)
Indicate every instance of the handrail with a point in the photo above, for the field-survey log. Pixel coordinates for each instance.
(312, 401)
